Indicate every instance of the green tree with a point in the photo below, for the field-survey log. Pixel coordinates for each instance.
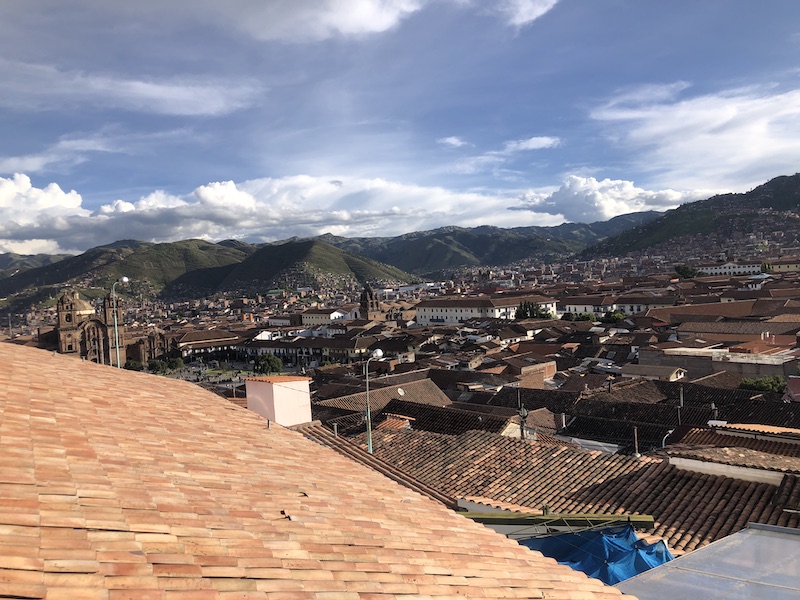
(174, 364)
(157, 366)
(764, 384)
(687, 272)
(531, 310)
(268, 363)
(133, 365)
(613, 317)
(585, 317)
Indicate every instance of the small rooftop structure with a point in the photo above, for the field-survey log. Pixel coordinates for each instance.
(285, 399)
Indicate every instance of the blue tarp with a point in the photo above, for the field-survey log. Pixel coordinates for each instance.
(611, 554)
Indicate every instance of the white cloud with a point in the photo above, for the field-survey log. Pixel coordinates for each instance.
(24, 207)
(66, 152)
(534, 143)
(279, 20)
(21, 203)
(314, 20)
(35, 87)
(454, 141)
(727, 139)
(256, 210)
(271, 209)
(493, 159)
(32, 247)
(519, 13)
(71, 150)
(586, 200)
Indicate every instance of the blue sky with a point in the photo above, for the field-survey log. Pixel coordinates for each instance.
(260, 120)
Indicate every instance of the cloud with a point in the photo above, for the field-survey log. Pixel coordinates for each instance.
(315, 20)
(73, 150)
(272, 20)
(37, 87)
(519, 13)
(534, 143)
(284, 21)
(454, 141)
(269, 209)
(257, 210)
(587, 200)
(493, 159)
(64, 153)
(25, 207)
(726, 139)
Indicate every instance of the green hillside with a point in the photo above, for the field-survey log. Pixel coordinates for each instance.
(306, 261)
(151, 267)
(12, 263)
(427, 252)
(723, 215)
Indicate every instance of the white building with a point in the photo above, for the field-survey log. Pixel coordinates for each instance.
(324, 316)
(452, 310)
(729, 268)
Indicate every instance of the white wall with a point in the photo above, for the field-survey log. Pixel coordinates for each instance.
(285, 400)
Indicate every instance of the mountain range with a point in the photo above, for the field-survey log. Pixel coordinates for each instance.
(196, 267)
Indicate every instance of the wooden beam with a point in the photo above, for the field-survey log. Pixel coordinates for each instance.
(564, 519)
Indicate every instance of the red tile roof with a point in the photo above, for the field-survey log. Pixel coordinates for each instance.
(690, 509)
(116, 484)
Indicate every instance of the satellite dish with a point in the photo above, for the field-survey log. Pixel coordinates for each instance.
(401, 392)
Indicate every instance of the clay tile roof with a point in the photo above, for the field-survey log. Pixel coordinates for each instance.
(423, 391)
(768, 429)
(324, 436)
(116, 484)
(690, 509)
(739, 457)
(447, 419)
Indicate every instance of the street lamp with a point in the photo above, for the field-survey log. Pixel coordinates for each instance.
(377, 353)
(114, 307)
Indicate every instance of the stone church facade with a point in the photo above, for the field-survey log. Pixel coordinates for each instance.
(370, 306)
(89, 333)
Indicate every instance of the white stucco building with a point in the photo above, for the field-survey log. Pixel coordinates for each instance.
(452, 310)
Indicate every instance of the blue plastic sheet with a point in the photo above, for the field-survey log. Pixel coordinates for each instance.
(611, 554)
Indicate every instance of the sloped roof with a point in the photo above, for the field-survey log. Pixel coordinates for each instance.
(690, 509)
(720, 379)
(422, 391)
(741, 308)
(117, 485)
(447, 419)
(325, 437)
(741, 327)
(739, 457)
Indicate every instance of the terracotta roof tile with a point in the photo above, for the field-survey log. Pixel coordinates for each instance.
(690, 509)
(126, 485)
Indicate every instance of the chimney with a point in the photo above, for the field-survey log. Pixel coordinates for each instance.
(285, 399)
(563, 421)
